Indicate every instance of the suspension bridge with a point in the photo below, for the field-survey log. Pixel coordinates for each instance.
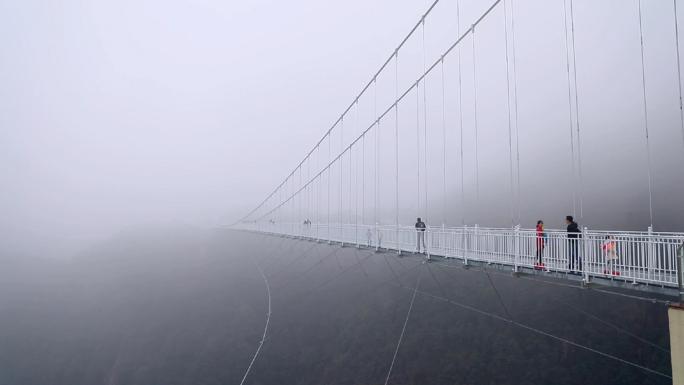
(354, 186)
(439, 133)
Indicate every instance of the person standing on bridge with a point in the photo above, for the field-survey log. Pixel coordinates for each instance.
(420, 235)
(369, 237)
(610, 252)
(540, 244)
(574, 261)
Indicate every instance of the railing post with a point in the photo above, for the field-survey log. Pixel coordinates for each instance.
(516, 232)
(680, 273)
(396, 235)
(477, 240)
(465, 245)
(442, 241)
(584, 259)
(426, 239)
(651, 253)
(377, 238)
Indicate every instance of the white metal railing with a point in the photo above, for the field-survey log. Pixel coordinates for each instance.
(638, 257)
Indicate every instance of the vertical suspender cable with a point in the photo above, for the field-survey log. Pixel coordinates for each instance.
(363, 91)
(377, 167)
(679, 68)
(308, 190)
(292, 202)
(460, 113)
(419, 214)
(280, 209)
(309, 194)
(350, 149)
(329, 178)
(508, 107)
(377, 149)
(356, 184)
(477, 161)
(318, 193)
(339, 214)
(349, 198)
(515, 104)
(643, 87)
(277, 205)
(319, 201)
(396, 143)
(363, 179)
(444, 139)
(577, 122)
(425, 156)
(572, 136)
(351, 212)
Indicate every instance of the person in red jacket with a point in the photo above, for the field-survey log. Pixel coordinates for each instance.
(540, 243)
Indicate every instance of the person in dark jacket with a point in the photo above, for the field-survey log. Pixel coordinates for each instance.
(540, 243)
(420, 235)
(574, 233)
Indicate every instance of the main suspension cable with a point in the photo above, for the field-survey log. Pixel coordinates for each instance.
(402, 96)
(358, 96)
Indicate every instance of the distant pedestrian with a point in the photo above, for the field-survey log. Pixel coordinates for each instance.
(420, 235)
(610, 252)
(369, 237)
(379, 236)
(574, 260)
(540, 243)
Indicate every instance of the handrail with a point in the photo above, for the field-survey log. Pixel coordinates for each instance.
(635, 257)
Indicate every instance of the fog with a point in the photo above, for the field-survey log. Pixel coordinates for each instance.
(119, 115)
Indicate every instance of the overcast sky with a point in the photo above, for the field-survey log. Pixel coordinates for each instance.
(127, 113)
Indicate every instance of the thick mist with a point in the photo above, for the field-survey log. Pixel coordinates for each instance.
(127, 114)
(123, 115)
